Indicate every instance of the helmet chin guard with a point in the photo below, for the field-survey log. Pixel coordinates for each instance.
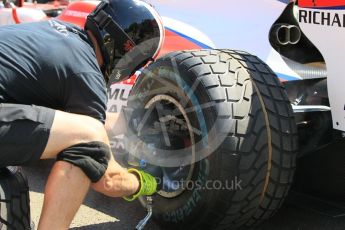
(129, 34)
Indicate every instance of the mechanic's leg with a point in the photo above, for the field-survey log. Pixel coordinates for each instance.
(67, 184)
(65, 191)
(117, 181)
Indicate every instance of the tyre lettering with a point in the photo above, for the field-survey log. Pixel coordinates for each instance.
(183, 212)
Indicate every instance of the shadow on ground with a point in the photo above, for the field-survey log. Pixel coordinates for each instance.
(103, 213)
(103, 226)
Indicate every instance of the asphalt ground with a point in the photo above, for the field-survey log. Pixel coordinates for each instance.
(102, 213)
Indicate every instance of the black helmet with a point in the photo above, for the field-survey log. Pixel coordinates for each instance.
(129, 32)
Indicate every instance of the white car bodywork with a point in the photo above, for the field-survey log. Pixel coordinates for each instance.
(233, 24)
(329, 39)
(23, 14)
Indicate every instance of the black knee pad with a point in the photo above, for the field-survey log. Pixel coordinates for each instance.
(92, 158)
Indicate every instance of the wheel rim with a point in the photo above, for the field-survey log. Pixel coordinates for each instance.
(174, 178)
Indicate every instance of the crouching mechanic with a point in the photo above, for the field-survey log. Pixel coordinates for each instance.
(53, 79)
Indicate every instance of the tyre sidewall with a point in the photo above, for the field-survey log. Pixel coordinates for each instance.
(181, 212)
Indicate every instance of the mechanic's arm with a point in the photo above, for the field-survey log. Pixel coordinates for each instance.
(85, 94)
(115, 123)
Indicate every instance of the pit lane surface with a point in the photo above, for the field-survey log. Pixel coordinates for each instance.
(102, 213)
(97, 213)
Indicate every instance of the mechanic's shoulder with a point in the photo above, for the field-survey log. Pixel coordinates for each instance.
(67, 24)
(87, 73)
(89, 76)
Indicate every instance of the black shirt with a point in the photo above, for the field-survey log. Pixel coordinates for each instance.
(51, 64)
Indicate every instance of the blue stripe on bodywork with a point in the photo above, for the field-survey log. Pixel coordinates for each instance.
(284, 1)
(287, 77)
(202, 45)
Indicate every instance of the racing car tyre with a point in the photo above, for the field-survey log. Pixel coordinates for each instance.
(238, 99)
(14, 200)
